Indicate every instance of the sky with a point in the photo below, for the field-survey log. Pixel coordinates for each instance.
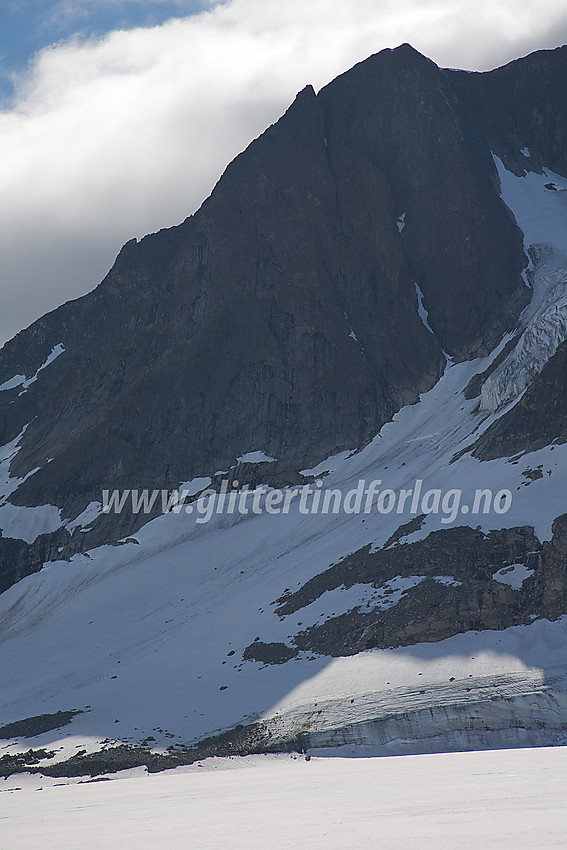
(27, 26)
(117, 117)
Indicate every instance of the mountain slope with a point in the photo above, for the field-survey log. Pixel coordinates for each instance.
(284, 313)
(369, 290)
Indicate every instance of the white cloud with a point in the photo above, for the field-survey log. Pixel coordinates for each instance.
(118, 137)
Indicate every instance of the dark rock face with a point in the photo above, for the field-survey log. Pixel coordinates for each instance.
(523, 104)
(283, 316)
(30, 727)
(404, 115)
(469, 597)
(268, 653)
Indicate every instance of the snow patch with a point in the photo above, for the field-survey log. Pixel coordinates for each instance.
(390, 593)
(89, 515)
(191, 488)
(22, 523)
(16, 381)
(541, 215)
(363, 597)
(256, 457)
(447, 581)
(352, 334)
(18, 522)
(7, 452)
(21, 380)
(514, 575)
(423, 314)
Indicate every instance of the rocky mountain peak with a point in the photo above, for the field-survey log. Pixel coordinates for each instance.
(354, 246)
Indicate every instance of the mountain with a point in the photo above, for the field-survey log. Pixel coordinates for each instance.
(375, 291)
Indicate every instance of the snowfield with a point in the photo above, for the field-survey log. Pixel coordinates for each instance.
(510, 799)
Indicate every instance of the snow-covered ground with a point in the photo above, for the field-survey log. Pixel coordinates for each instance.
(510, 799)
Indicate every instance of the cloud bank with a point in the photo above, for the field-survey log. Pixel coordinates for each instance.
(118, 137)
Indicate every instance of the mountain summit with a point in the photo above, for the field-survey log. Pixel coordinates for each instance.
(375, 287)
(284, 313)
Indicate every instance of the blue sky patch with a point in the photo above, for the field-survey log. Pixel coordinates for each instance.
(26, 26)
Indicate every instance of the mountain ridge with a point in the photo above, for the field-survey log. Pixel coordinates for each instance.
(373, 295)
(148, 279)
